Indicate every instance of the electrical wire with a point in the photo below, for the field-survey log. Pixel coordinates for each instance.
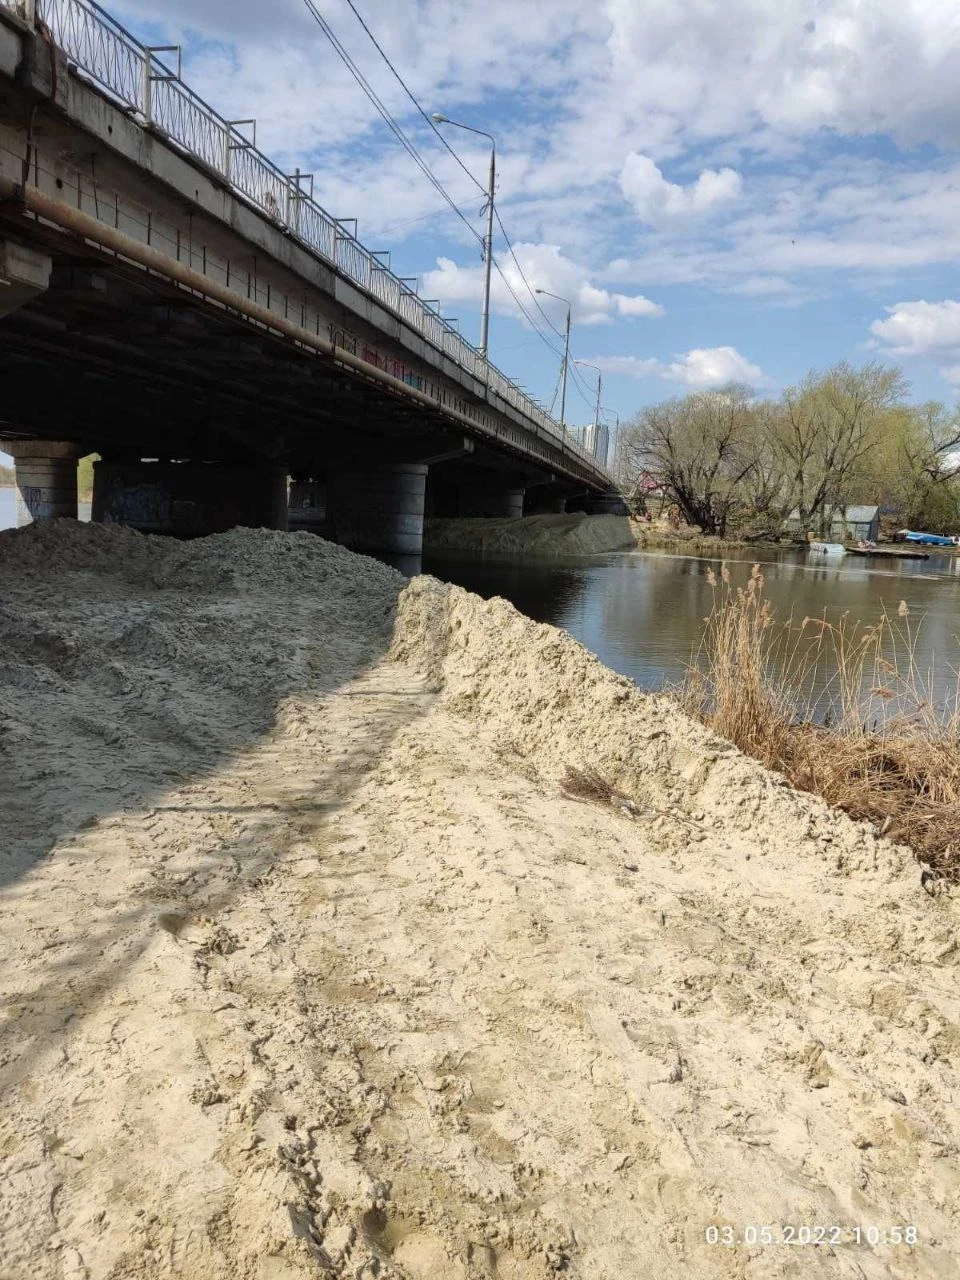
(516, 263)
(443, 140)
(437, 132)
(400, 80)
(387, 118)
(425, 169)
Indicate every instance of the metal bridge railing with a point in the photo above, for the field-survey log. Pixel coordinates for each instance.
(136, 76)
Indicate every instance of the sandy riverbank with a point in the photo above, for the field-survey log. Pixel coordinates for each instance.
(565, 535)
(311, 969)
(542, 535)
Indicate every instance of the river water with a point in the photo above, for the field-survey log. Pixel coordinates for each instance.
(8, 508)
(642, 613)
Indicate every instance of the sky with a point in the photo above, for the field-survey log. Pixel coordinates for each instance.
(722, 191)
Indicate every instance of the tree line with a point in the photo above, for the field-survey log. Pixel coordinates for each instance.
(730, 460)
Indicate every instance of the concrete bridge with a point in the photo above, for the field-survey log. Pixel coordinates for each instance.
(171, 300)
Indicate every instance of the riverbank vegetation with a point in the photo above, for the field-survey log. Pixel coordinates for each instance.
(731, 462)
(841, 709)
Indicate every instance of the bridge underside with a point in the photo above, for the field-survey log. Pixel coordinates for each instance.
(162, 305)
(131, 367)
(108, 359)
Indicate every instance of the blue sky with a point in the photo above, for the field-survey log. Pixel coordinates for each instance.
(722, 191)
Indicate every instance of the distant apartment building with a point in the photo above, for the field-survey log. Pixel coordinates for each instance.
(595, 438)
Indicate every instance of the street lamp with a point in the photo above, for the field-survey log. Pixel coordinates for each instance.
(488, 240)
(566, 355)
(599, 384)
(616, 444)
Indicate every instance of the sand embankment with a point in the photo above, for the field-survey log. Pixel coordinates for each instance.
(310, 968)
(543, 535)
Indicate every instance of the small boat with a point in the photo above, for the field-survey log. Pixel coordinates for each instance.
(887, 553)
(929, 539)
(827, 548)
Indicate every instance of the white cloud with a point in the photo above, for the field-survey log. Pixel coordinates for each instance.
(545, 267)
(699, 369)
(756, 117)
(919, 328)
(656, 199)
(791, 66)
(714, 366)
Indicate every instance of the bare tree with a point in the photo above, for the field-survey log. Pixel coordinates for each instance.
(698, 447)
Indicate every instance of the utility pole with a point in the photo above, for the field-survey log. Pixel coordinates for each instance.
(488, 238)
(566, 355)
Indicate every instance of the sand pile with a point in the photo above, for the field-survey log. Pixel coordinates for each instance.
(545, 535)
(312, 969)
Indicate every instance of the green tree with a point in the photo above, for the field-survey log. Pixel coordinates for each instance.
(85, 473)
(829, 427)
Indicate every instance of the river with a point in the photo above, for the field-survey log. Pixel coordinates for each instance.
(8, 508)
(642, 613)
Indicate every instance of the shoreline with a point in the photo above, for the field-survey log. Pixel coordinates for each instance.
(313, 953)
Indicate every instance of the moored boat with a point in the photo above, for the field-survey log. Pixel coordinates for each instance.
(827, 548)
(929, 539)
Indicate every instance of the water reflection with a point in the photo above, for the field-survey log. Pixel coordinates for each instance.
(544, 590)
(642, 613)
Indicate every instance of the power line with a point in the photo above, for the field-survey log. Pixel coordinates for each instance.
(406, 222)
(403, 85)
(417, 158)
(396, 129)
(385, 115)
(439, 134)
(516, 263)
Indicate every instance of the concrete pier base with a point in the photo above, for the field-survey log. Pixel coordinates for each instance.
(189, 499)
(490, 502)
(606, 504)
(46, 479)
(307, 506)
(379, 509)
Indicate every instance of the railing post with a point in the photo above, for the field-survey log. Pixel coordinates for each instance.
(241, 144)
(293, 201)
(149, 77)
(147, 89)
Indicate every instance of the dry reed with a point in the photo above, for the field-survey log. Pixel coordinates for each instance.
(841, 709)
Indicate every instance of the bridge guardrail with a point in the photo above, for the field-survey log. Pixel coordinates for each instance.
(133, 74)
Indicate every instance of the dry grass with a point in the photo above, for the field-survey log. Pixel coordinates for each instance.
(841, 709)
(589, 786)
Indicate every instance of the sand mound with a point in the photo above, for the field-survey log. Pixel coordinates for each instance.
(544, 535)
(312, 969)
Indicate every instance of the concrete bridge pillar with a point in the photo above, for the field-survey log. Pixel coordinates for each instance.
(490, 502)
(46, 478)
(189, 499)
(606, 504)
(379, 508)
(307, 506)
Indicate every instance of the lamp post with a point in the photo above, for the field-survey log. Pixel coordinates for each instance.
(599, 374)
(488, 239)
(566, 356)
(616, 444)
